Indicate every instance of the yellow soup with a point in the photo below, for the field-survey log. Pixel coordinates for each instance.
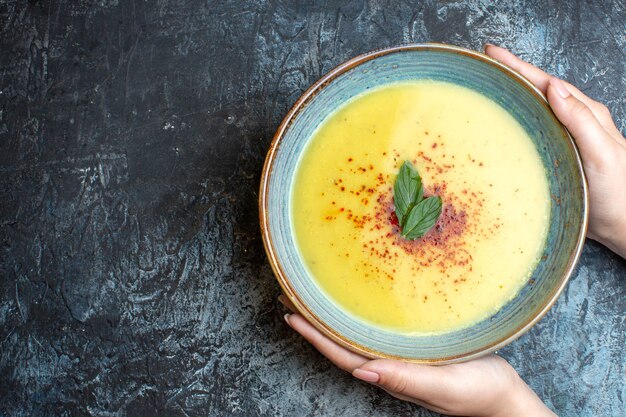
(469, 151)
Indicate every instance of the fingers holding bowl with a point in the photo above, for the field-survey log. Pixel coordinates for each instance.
(542, 80)
(536, 76)
(589, 134)
(340, 356)
(343, 358)
(349, 361)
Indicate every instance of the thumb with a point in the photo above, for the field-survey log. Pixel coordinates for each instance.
(408, 379)
(590, 136)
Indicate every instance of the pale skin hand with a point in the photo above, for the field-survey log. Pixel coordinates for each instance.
(489, 386)
(601, 145)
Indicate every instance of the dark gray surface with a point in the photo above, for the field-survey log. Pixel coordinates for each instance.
(132, 136)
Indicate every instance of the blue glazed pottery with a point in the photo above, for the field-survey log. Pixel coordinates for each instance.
(568, 216)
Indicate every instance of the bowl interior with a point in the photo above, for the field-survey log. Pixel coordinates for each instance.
(512, 92)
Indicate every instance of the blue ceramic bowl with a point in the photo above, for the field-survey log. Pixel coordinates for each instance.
(568, 216)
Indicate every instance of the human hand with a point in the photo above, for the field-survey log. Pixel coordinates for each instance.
(488, 386)
(600, 143)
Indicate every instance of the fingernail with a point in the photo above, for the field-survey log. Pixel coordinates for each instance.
(560, 87)
(281, 299)
(487, 45)
(367, 376)
(286, 317)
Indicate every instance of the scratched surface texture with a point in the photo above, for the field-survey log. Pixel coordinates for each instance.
(132, 136)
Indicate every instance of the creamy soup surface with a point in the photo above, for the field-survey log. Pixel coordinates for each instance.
(469, 151)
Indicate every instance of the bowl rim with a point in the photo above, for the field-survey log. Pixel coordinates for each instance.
(264, 220)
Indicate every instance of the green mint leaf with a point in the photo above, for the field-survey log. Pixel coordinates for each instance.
(407, 191)
(422, 218)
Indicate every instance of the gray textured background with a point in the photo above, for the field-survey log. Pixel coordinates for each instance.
(132, 136)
